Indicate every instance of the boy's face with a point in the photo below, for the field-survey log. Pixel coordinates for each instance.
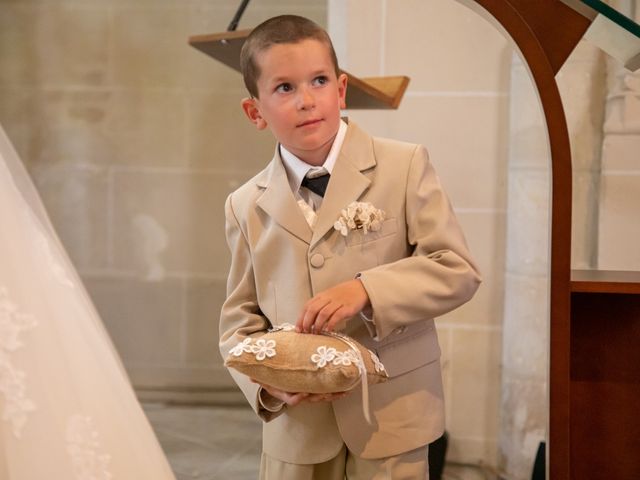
(299, 98)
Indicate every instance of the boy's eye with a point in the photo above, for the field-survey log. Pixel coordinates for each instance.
(284, 88)
(321, 80)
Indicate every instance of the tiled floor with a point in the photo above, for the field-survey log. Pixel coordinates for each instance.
(214, 443)
(206, 443)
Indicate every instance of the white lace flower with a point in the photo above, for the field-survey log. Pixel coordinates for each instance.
(341, 226)
(323, 356)
(240, 348)
(377, 363)
(359, 216)
(44, 248)
(345, 358)
(264, 348)
(83, 446)
(12, 380)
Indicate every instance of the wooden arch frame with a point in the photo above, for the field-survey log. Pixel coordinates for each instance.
(546, 32)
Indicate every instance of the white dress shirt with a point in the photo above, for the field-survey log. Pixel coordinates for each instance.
(308, 201)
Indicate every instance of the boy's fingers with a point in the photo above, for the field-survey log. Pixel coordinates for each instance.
(325, 315)
(311, 312)
(295, 399)
(300, 323)
(336, 318)
(326, 397)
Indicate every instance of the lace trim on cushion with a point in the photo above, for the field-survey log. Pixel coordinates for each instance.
(83, 446)
(261, 348)
(325, 355)
(12, 380)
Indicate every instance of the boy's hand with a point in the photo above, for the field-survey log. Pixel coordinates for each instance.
(330, 307)
(293, 399)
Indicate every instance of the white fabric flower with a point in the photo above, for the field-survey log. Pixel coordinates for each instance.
(323, 356)
(264, 348)
(345, 358)
(341, 226)
(240, 348)
(359, 216)
(377, 363)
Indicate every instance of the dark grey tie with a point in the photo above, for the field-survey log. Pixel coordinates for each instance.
(317, 185)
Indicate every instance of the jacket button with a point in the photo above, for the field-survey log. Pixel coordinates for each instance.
(317, 260)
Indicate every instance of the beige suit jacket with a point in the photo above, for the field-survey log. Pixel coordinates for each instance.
(415, 268)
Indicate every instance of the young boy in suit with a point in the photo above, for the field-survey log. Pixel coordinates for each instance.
(290, 265)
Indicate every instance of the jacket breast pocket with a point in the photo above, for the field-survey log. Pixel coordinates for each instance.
(416, 346)
(356, 237)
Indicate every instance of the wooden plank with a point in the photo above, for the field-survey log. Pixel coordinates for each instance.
(605, 428)
(362, 93)
(605, 385)
(558, 37)
(605, 334)
(605, 281)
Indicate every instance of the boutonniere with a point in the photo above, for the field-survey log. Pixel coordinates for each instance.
(359, 216)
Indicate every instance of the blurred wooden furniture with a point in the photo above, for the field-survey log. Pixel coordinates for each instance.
(604, 382)
(362, 93)
(594, 380)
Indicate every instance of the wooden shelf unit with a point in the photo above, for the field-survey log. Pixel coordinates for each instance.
(604, 381)
(381, 93)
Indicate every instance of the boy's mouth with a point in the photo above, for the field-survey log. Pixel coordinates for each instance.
(309, 122)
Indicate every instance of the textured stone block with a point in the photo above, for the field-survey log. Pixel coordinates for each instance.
(466, 139)
(424, 40)
(170, 222)
(143, 318)
(485, 235)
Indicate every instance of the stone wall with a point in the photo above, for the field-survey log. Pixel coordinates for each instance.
(525, 358)
(134, 139)
(619, 232)
(457, 104)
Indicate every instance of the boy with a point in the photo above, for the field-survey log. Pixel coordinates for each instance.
(383, 287)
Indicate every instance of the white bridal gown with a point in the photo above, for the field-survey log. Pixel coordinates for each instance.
(67, 410)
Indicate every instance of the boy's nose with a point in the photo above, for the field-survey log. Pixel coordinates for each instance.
(306, 99)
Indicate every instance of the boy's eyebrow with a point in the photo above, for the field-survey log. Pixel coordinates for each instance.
(321, 71)
(284, 78)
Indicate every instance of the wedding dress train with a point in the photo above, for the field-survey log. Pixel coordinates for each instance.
(67, 410)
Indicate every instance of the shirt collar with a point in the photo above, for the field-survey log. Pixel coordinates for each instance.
(297, 169)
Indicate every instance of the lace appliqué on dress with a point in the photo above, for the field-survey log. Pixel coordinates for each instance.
(12, 380)
(83, 445)
(44, 247)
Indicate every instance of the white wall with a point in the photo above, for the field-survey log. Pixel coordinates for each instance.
(457, 104)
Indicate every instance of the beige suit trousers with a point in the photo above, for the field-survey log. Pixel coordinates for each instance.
(412, 465)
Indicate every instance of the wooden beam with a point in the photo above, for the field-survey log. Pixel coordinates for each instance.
(362, 93)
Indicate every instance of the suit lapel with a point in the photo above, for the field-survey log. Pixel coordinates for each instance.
(347, 183)
(278, 201)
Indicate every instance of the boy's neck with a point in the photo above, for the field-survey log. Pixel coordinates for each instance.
(318, 157)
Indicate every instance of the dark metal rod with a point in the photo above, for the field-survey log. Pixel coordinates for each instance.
(236, 18)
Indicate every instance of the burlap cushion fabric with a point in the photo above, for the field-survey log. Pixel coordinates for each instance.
(302, 362)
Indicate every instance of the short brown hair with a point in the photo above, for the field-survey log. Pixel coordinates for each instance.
(278, 30)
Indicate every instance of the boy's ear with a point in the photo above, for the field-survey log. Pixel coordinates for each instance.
(342, 90)
(251, 110)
